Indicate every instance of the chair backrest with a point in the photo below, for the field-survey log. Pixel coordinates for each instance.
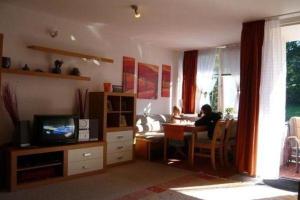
(231, 130)
(174, 132)
(294, 124)
(219, 131)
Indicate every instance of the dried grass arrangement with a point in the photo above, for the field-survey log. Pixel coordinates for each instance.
(81, 102)
(11, 104)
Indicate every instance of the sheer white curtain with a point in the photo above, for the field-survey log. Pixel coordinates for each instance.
(204, 80)
(230, 64)
(271, 103)
(178, 100)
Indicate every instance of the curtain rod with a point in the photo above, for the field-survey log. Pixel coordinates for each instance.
(218, 47)
(282, 15)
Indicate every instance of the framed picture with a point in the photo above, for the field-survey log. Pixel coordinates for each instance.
(165, 80)
(147, 81)
(128, 74)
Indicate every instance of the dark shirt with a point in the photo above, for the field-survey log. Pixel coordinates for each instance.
(209, 121)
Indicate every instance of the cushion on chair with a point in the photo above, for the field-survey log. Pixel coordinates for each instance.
(295, 126)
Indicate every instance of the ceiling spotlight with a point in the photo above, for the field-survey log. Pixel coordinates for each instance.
(136, 12)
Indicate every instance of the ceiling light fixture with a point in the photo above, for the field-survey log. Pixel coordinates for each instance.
(136, 12)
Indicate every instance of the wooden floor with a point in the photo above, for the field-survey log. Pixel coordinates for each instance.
(144, 180)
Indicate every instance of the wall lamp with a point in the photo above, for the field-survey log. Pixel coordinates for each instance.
(136, 12)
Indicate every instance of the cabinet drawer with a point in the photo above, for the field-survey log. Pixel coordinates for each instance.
(119, 136)
(85, 154)
(119, 157)
(113, 147)
(85, 166)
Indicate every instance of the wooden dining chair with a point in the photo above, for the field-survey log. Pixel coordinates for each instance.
(230, 140)
(293, 142)
(211, 146)
(172, 132)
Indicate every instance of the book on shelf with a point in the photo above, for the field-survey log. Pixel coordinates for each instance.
(109, 106)
(123, 122)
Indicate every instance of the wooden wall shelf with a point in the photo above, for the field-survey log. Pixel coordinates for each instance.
(44, 74)
(69, 53)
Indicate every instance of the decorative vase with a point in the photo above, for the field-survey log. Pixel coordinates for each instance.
(228, 116)
(5, 62)
(57, 66)
(75, 72)
(107, 87)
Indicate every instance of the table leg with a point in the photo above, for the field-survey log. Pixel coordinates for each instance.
(191, 149)
(165, 148)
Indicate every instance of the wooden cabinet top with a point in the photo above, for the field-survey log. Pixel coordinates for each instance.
(45, 149)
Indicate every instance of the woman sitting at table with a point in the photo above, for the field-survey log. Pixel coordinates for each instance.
(209, 119)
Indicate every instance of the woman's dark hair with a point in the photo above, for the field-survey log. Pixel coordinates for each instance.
(206, 109)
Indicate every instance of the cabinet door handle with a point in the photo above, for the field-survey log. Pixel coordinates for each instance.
(120, 137)
(84, 167)
(119, 158)
(87, 154)
(120, 147)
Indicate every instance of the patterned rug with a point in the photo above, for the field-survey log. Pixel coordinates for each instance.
(205, 186)
(289, 172)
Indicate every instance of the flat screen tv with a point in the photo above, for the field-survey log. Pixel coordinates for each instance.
(55, 129)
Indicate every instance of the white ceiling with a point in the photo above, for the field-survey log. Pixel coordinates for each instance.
(176, 24)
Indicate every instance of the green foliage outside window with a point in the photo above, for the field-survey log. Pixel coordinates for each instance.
(293, 79)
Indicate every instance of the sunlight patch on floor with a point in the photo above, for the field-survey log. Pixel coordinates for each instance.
(233, 191)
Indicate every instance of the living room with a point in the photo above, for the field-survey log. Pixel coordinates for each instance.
(91, 44)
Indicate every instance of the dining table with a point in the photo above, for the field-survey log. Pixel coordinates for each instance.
(190, 128)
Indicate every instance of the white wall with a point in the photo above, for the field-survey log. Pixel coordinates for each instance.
(38, 95)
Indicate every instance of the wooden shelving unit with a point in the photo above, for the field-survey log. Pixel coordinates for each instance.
(69, 53)
(44, 74)
(1, 52)
(116, 112)
(35, 166)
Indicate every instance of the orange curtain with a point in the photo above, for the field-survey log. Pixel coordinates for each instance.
(251, 54)
(189, 81)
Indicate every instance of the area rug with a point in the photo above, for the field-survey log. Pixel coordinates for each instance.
(289, 171)
(202, 165)
(164, 190)
(205, 186)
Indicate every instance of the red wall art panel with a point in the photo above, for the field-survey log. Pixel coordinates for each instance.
(147, 81)
(128, 74)
(165, 80)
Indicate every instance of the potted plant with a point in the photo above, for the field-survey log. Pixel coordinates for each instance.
(229, 113)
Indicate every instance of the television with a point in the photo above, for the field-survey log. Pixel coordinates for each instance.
(55, 129)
